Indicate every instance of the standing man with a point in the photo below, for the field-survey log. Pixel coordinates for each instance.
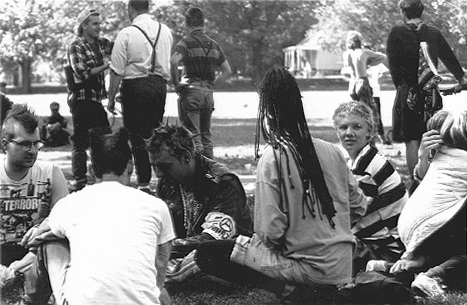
(140, 61)
(119, 250)
(29, 190)
(201, 57)
(86, 55)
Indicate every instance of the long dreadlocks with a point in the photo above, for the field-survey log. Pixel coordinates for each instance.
(282, 122)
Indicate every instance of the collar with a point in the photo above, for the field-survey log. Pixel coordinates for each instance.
(142, 17)
(197, 31)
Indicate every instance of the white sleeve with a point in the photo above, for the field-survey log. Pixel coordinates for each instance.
(167, 230)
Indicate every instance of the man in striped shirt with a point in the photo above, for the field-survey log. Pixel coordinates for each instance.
(201, 57)
(376, 231)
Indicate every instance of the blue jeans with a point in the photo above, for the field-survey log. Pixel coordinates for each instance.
(195, 107)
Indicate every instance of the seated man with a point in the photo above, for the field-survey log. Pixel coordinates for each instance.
(30, 189)
(54, 131)
(118, 237)
(207, 201)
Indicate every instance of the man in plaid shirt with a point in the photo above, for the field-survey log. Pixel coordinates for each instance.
(87, 57)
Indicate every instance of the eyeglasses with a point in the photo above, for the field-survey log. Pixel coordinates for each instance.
(27, 145)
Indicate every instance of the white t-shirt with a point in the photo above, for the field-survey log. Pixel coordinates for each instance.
(114, 231)
(28, 201)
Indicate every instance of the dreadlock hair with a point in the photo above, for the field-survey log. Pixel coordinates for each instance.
(110, 153)
(176, 138)
(282, 122)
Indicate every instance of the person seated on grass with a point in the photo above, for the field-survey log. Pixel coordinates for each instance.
(29, 191)
(432, 224)
(108, 243)
(206, 200)
(376, 232)
(54, 131)
(306, 201)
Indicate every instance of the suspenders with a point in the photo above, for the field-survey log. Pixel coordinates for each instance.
(153, 54)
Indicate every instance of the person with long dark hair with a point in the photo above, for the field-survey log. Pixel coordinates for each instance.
(306, 200)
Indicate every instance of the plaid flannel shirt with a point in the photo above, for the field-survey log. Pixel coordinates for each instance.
(82, 59)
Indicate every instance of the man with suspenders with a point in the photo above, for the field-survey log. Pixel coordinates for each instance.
(201, 57)
(140, 63)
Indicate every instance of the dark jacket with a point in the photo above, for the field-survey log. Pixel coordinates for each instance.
(403, 52)
(216, 190)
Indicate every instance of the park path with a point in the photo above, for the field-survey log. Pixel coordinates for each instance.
(319, 106)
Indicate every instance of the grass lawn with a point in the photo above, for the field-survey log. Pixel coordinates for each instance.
(234, 139)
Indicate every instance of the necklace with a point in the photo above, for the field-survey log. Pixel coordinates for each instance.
(191, 207)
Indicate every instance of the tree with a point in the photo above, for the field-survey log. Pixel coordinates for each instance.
(374, 19)
(253, 33)
(32, 30)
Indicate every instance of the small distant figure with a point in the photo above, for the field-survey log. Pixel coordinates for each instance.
(54, 132)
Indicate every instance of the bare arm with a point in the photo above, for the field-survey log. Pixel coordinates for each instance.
(430, 140)
(225, 74)
(162, 259)
(174, 60)
(115, 81)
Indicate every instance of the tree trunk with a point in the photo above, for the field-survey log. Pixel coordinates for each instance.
(26, 73)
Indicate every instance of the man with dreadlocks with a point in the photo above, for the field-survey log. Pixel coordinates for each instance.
(306, 201)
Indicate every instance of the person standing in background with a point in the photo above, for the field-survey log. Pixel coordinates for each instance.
(201, 57)
(358, 59)
(140, 63)
(403, 51)
(374, 74)
(87, 57)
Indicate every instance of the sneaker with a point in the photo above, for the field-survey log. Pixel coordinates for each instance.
(7, 276)
(425, 286)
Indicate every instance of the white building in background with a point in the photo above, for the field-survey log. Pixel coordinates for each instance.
(308, 59)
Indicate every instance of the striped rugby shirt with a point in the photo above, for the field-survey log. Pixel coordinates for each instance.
(201, 56)
(386, 196)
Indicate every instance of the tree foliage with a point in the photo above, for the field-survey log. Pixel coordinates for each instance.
(252, 33)
(374, 19)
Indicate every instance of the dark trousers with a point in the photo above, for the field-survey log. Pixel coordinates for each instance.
(11, 252)
(379, 128)
(86, 115)
(143, 105)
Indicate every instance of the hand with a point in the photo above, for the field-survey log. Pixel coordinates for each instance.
(111, 107)
(106, 62)
(430, 140)
(406, 265)
(29, 236)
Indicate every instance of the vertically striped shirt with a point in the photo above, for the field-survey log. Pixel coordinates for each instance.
(201, 56)
(386, 196)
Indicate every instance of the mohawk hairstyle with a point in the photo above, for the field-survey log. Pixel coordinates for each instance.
(177, 138)
(110, 153)
(282, 122)
(22, 114)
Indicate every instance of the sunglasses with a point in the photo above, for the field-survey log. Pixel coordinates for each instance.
(27, 145)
